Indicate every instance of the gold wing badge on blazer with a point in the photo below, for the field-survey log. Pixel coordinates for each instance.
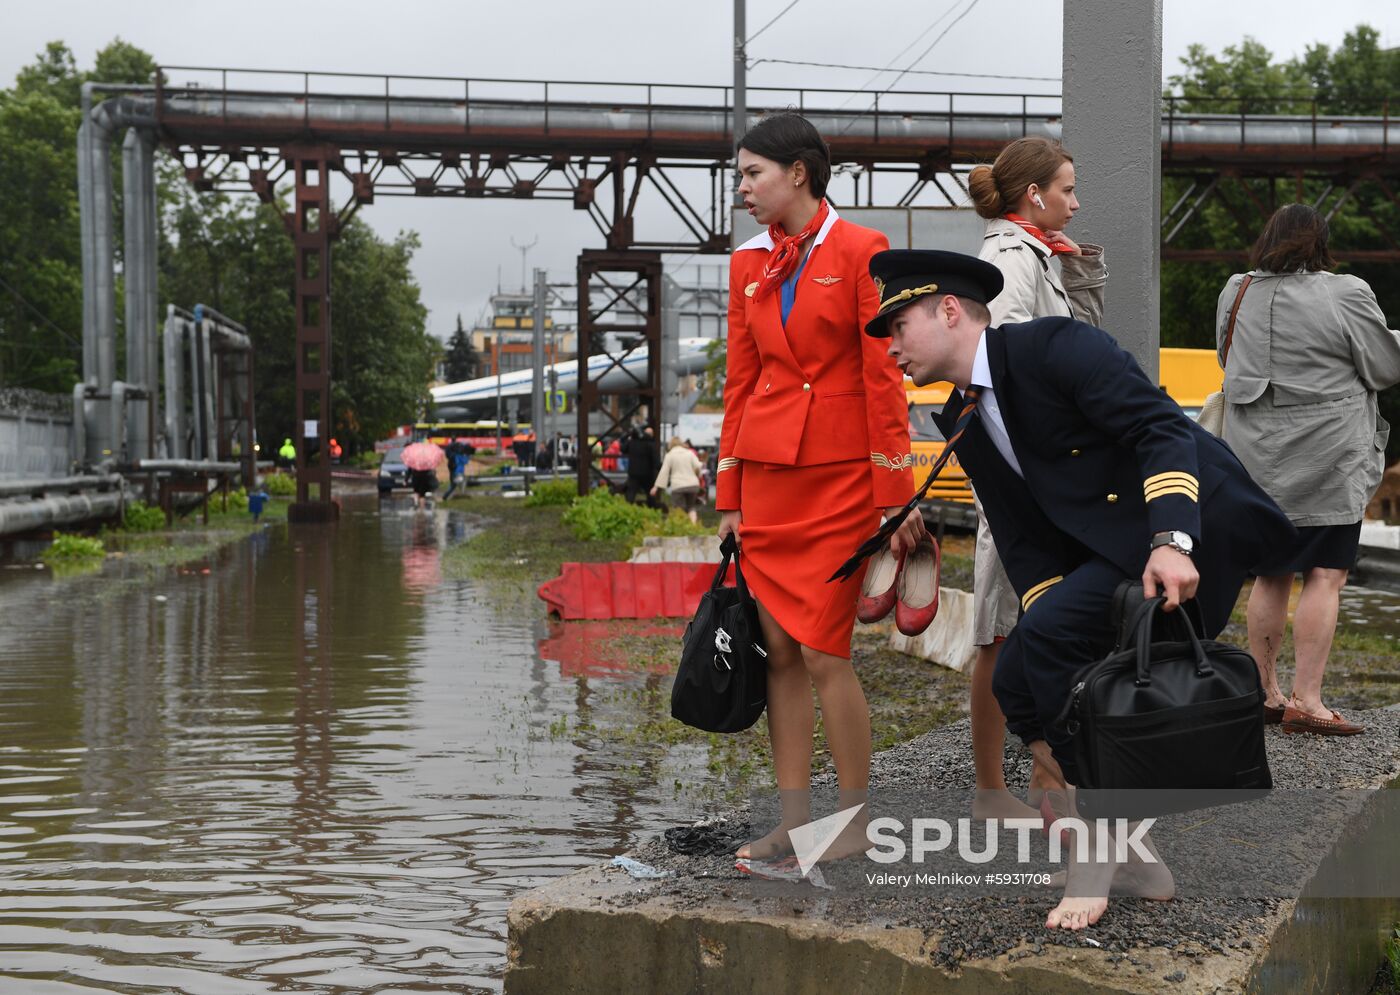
(826, 281)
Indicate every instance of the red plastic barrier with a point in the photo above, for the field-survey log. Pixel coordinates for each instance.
(628, 590)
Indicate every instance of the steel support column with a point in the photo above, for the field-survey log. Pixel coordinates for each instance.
(619, 293)
(313, 226)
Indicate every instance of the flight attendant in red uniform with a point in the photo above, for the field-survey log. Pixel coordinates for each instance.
(815, 446)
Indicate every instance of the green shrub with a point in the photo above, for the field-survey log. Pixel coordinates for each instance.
(280, 484)
(676, 523)
(237, 500)
(141, 517)
(604, 515)
(1392, 955)
(67, 547)
(368, 460)
(552, 492)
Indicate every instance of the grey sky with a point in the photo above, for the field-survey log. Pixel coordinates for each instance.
(464, 243)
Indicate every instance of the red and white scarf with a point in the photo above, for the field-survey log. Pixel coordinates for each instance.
(787, 251)
(1056, 248)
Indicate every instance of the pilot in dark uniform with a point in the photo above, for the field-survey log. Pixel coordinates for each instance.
(1089, 475)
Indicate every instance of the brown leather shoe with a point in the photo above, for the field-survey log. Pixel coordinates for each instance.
(1273, 714)
(1297, 720)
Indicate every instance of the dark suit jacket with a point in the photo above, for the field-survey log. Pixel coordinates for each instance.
(1109, 460)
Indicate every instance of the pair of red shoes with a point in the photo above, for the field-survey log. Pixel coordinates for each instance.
(908, 583)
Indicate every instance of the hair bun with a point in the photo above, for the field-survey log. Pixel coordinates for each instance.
(986, 198)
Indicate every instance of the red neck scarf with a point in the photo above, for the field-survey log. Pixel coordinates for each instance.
(787, 250)
(1055, 247)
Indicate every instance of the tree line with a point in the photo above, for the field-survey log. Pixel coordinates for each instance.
(229, 252)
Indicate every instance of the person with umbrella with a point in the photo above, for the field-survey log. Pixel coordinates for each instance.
(422, 459)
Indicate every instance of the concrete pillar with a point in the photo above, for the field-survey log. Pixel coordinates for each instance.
(1113, 128)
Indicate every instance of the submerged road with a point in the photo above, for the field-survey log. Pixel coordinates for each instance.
(318, 765)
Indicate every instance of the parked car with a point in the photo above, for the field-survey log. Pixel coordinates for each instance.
(392, 472)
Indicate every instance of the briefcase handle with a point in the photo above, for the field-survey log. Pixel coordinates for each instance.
(1142, 625)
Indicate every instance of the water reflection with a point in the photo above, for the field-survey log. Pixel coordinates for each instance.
(318, 764)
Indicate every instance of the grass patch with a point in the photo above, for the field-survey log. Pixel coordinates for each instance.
(519, 547)
(907, 698)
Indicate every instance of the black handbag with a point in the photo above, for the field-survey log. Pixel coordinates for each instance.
(1166, 726)
(722, 682)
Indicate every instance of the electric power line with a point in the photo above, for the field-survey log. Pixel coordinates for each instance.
(771, 22)
(924, 54)
(42, 317)
(909, 72)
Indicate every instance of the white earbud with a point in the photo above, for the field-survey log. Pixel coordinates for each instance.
(1035, 198)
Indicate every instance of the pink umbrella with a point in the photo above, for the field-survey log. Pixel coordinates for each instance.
(422, 456)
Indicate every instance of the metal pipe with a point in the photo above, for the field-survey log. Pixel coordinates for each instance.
(138, 182)
(174, 387)
(184, 465)
(80, 390)
(117, 411)
(38, 486)
(27, 516)
(350, 119)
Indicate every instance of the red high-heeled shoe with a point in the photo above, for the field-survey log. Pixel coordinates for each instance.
(917, 600)
(877, 592)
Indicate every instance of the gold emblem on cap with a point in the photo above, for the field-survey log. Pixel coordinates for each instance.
(749, 290)
(879, 287)
(907, 295)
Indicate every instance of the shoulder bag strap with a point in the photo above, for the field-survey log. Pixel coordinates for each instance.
(1234, 311)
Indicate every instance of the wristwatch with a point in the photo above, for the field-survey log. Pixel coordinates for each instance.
(1179, 541)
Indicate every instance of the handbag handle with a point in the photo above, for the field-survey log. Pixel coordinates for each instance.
(1230, 326)
(730, 549)
(1142, 621)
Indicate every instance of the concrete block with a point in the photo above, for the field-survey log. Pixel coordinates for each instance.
(948, 640)
(677, 549)
(1380, 534)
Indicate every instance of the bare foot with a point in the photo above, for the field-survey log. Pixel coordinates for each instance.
(998, 803)
(775, 844)
(1076, 913)
(852, 841)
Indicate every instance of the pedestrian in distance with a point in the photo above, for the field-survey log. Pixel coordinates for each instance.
(1090, 476)
(1028, 197)
(813, 447)
(1308, 351)
(680, 476)
(643, 463)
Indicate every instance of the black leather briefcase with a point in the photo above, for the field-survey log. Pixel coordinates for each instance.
(1163, 726)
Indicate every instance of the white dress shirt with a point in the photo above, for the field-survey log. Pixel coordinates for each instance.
(988, 409)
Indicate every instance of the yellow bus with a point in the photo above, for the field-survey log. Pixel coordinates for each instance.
(1187, 375)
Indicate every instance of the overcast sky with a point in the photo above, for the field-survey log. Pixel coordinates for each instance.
(676, 41)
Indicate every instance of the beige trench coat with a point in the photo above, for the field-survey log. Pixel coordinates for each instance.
(1309, 352)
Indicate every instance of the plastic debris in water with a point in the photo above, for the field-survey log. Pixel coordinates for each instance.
(638, 869)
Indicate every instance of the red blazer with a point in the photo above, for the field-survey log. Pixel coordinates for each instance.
(819, 390)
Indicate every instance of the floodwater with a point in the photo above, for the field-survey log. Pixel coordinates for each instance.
(317, 767)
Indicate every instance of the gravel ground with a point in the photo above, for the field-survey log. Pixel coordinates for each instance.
(959, 928)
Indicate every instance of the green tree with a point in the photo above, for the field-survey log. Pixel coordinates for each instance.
(461, 360)
(1357, 77)
(40, 261)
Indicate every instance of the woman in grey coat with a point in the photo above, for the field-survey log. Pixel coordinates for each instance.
(1309, 351)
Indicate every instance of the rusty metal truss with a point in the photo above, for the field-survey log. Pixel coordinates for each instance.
(619, 294)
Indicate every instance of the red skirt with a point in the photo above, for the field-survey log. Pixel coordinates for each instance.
(800, 523)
